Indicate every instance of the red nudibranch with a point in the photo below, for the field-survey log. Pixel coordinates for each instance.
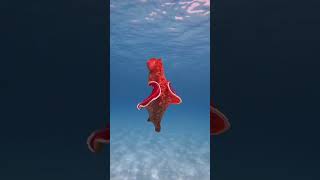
(161, 97)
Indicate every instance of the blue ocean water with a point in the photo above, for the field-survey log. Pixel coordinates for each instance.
(179, 33)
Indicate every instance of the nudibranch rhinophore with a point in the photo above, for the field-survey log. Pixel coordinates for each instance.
(162, 95)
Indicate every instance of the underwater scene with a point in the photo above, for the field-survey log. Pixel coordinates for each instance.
(177, 34)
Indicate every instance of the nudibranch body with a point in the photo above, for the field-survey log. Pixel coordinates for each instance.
(162, 95)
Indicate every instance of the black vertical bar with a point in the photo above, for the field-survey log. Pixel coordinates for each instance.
(107, 80)
(212, 56)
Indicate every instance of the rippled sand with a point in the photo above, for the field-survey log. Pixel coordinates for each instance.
(153, 156)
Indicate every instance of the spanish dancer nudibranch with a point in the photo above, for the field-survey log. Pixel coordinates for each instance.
(162, 95)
